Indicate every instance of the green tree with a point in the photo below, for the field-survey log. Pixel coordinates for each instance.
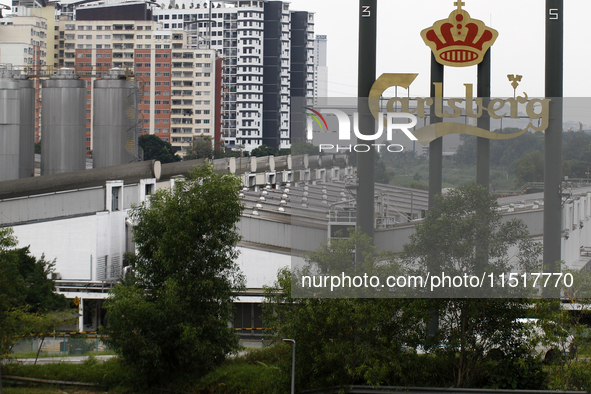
(26, 293)
(202, 148)
(156, 149)
(530, 168)
(562, 332)
(304, 148)
(347, 340)
(262, 150)
(174, 318)
(463, 234)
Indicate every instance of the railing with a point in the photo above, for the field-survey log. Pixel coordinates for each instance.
(59, 344)
(422, 390)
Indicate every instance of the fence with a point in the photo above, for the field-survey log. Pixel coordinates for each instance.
(60, 345)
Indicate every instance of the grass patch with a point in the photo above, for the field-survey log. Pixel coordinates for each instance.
(259, 371)
(46, 390)
(108, 374)
(45, 355)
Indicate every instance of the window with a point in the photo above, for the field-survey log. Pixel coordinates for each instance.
(115, 192)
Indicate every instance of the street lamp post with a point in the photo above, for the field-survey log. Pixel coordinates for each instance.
(292, 364)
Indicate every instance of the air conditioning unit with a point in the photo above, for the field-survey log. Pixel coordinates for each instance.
(56, 276)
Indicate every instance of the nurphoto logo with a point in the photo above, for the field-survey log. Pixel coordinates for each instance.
(386, 121)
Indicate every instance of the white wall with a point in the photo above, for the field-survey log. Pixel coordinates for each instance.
(260, 267)
(71, 242)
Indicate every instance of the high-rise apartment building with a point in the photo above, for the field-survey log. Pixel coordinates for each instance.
(27, 40)
(320, 66)
(259, 43)
(175, 84)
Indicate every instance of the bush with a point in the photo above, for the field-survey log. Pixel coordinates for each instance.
(260, 371)
(576, 377)
(517, 374)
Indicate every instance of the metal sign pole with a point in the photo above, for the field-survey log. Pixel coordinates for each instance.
(553, 138)
(366, 78)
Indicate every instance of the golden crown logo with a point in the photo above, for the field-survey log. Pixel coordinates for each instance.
(459, 40)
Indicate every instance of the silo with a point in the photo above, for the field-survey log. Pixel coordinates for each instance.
(63, 137)
(113, 137)
(27, 130)
(9, 126)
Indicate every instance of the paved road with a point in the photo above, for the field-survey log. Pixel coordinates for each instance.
(50, 360)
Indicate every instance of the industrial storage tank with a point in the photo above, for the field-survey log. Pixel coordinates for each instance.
(27, 129)
(63, 136)
(9, 125)
(113, 139)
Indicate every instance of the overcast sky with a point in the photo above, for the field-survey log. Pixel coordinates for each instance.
(519, 48)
